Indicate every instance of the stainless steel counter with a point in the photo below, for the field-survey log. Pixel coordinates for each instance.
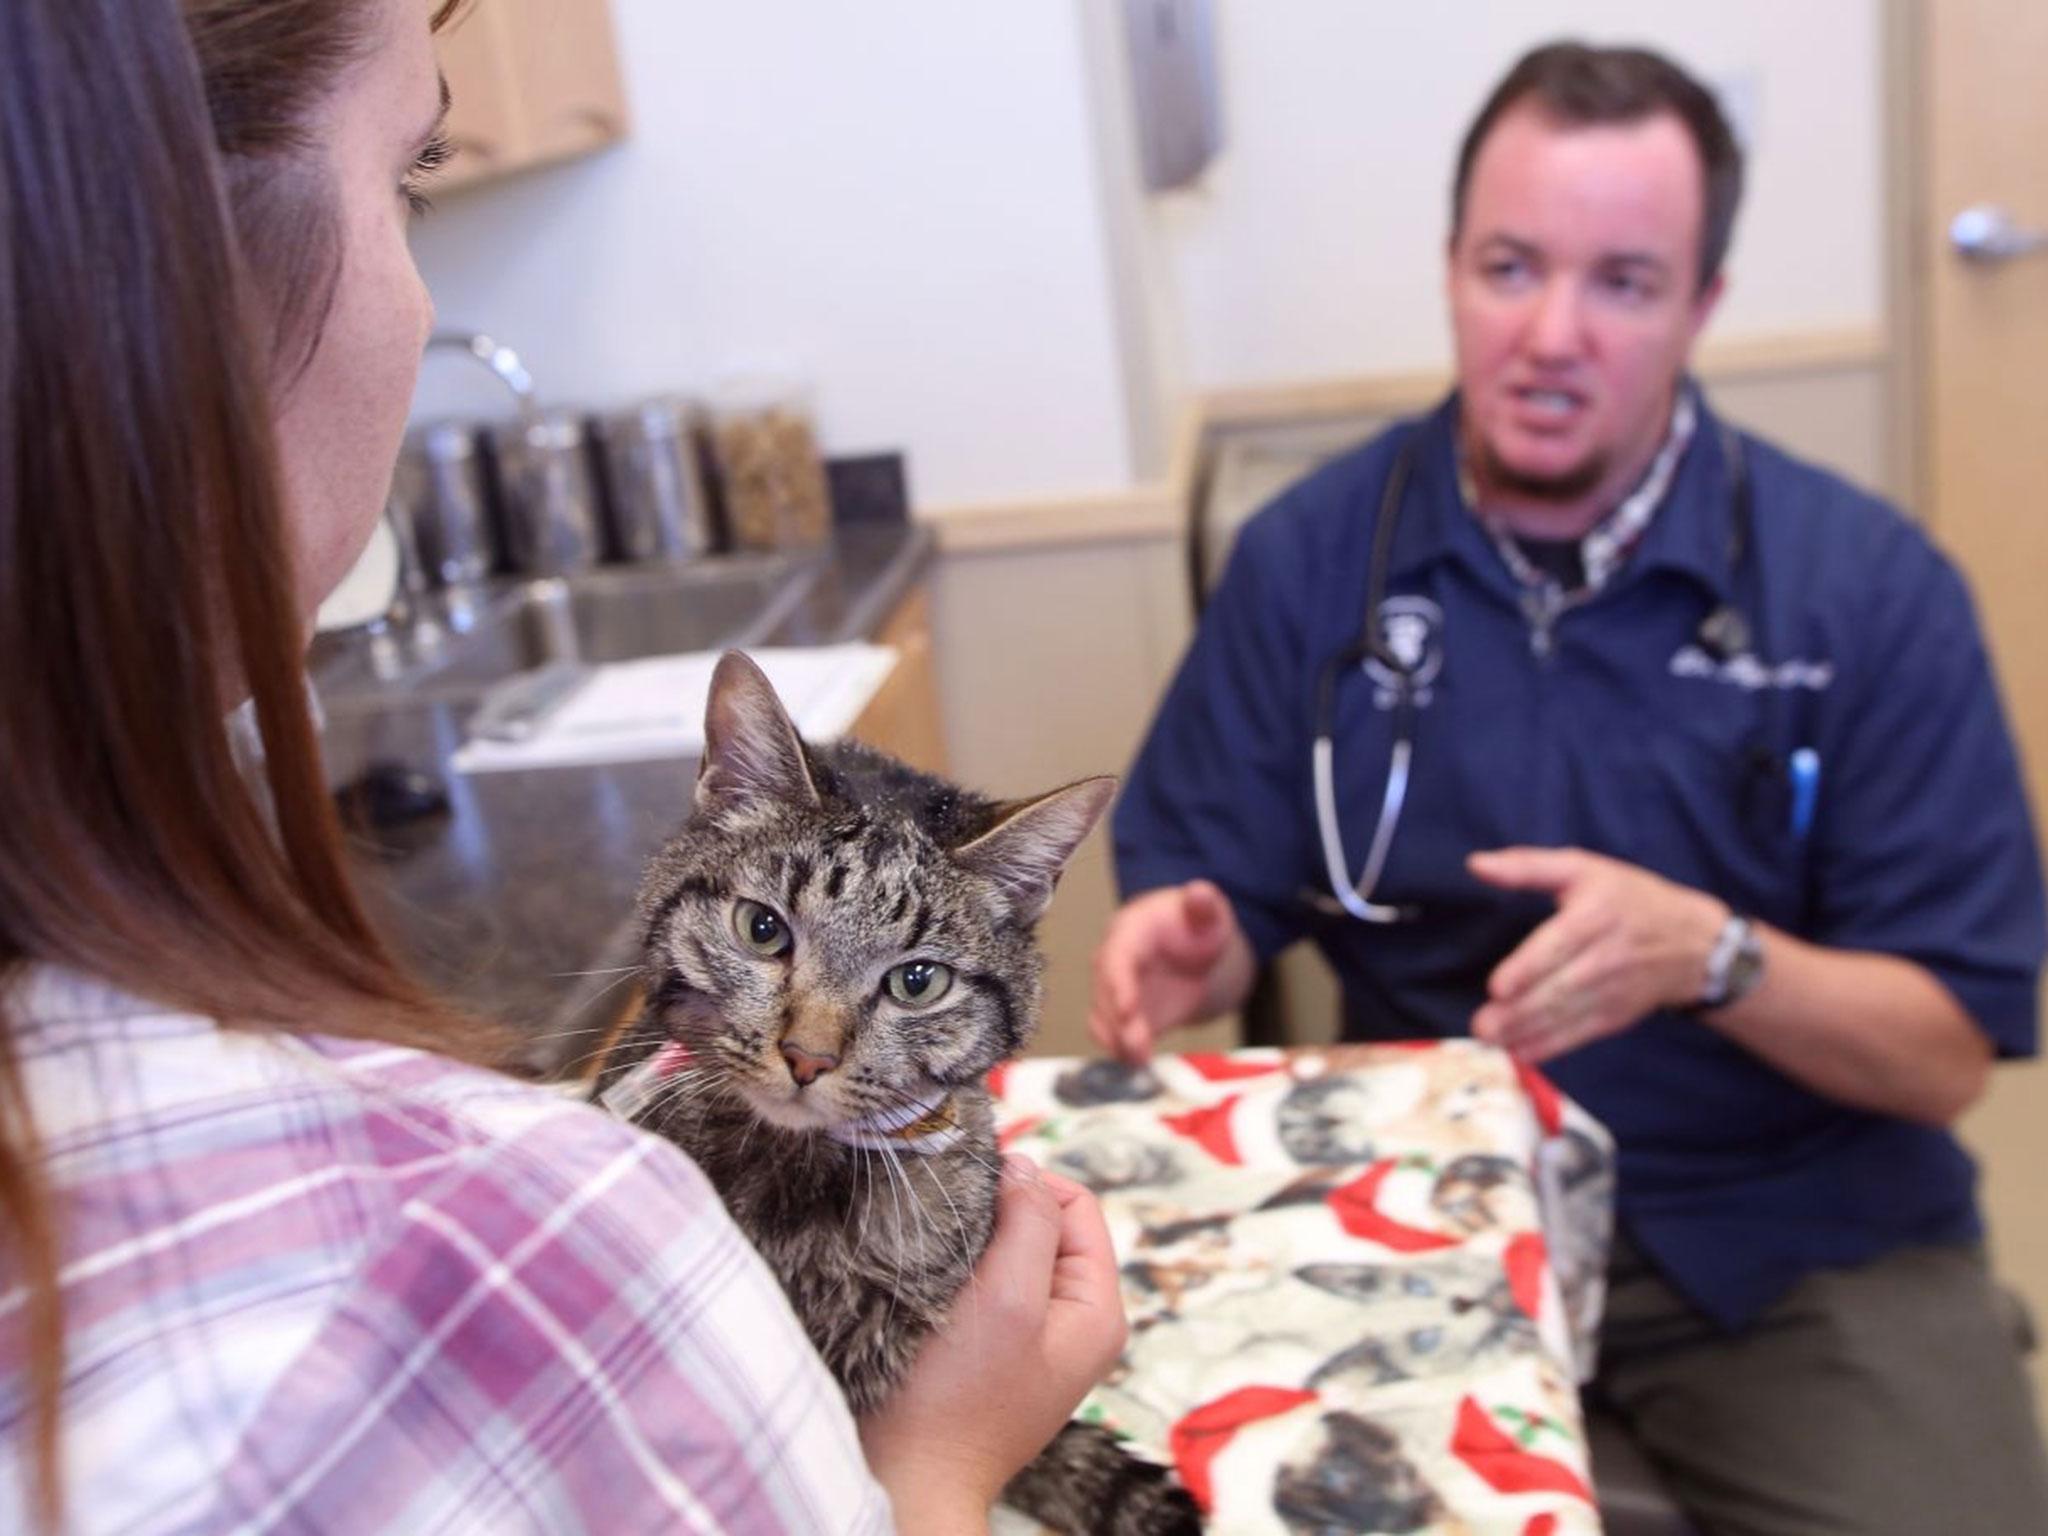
(516, 901)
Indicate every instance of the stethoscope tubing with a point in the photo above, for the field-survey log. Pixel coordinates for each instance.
(1356, 897)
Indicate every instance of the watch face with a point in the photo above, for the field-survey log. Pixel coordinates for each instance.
(1747, 968)
(1736, 965)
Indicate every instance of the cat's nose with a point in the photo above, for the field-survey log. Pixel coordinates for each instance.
(804, 1066)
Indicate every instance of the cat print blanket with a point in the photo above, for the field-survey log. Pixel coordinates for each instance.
(1363, 1281)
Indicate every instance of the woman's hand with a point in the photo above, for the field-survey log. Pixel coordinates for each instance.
(1036, 1327)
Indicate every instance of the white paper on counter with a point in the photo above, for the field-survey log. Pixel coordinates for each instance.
(630, 711)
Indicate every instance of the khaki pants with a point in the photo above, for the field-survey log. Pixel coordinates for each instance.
(1885, 1399)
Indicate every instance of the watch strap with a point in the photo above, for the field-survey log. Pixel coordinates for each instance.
(1734, 965)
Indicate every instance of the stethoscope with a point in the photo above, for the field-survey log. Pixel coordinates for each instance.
(1723, 634)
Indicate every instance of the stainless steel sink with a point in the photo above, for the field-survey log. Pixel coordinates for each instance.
(594, 616)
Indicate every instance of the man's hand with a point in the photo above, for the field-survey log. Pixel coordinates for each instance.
(1622, 944)
(1171, 957)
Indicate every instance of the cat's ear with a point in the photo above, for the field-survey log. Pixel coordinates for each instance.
(751, 749)
(1025, 851)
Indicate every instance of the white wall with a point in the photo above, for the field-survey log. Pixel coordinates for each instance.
(1314, 246)
(927, 208)
(896, 200)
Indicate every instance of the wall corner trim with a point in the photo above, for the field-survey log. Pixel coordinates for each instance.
(1158, 509)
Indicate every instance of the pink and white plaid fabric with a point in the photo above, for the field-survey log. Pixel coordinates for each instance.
(314, 1285)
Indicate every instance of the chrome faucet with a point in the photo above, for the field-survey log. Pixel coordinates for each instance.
(499, 358)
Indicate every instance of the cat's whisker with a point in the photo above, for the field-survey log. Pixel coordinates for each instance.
(959, 1221)
(701, 1083)
(673, 1095)
(860, 1197)
(574, 1063)
(920, 1217)
(993, 1169)
(609, 970)
(897, 1099)
(896, 1248)
(747, 1138)
(692, 1072)
(967, 1254)
(893, 1250)
(612, 986)
(566, 1034)
(902, 1232)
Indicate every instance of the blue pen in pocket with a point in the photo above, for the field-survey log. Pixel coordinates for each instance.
(1803, 767)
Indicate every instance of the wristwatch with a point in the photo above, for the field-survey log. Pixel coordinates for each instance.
(1735, 964)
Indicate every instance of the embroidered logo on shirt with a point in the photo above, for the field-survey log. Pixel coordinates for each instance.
(1412, 630)
(1749, 673)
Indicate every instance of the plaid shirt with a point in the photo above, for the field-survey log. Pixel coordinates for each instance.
(314, 1285)
(1607, 546)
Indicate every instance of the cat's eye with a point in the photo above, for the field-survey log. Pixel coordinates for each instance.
(918, 983)
(760, 929)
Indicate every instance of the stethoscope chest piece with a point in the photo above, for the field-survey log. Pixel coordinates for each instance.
(1401, 651)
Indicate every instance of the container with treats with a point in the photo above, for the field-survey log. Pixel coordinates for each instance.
(771, 475)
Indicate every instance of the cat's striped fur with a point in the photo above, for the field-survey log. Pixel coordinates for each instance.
(862, 865)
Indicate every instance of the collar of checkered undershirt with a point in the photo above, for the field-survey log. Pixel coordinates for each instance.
(1607, 546)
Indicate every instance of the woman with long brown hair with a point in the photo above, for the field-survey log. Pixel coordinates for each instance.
(277, 1249)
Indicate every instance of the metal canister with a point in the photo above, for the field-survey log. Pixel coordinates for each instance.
(656, 508)
(442, 486)
(547, 485)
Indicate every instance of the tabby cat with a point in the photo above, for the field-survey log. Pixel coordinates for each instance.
(838, 949)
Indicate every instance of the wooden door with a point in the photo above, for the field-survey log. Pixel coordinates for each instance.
(1985, 142)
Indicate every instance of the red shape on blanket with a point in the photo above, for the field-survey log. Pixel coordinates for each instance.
(1506, 1467)
(998, 1075)
(1202, 1433)
(1543, 1098)
(1218, 1068)
(1541, 1525)
(1018, 1130)
(1210, 1128)
(1357, 1207)
(1525, 1259)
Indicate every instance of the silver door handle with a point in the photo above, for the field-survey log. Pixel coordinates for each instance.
(1987, 233)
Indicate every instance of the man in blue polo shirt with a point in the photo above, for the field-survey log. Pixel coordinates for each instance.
(1671, 763)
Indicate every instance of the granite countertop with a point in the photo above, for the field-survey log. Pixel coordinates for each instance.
(517, 903)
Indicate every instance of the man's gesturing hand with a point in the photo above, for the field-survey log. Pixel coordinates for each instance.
(1622, 944)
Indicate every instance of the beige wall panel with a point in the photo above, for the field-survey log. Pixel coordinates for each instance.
(1051, 660)
(2008, 1132)
(1838, 418)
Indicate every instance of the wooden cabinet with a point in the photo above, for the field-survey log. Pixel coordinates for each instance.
(531, 82)
(902, 718)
